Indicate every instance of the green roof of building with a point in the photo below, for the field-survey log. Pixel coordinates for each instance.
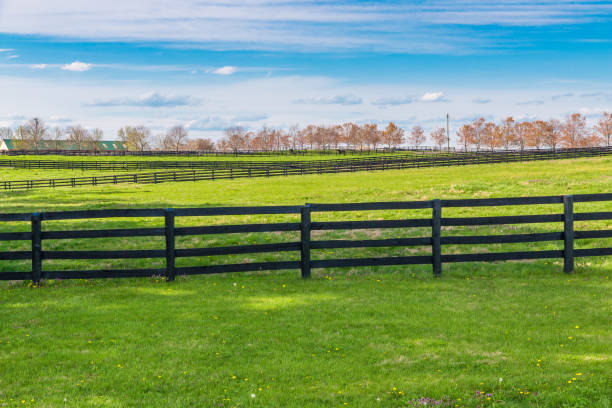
(106, 145)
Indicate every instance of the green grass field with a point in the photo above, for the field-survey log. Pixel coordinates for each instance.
(523, 332)
(224, 157)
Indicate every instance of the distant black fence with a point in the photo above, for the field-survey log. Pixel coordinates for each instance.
(305, 245)
(221, 153)
(219, 170)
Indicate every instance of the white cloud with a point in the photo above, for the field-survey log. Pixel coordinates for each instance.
(6, 49)
(433, 97)
(227, 70)
(534, 102)
(77, 66)
(150, 100)
(218, 123)
(38, 66)
(393, 101)
(335, 100)
(481, 100)
(415, 26)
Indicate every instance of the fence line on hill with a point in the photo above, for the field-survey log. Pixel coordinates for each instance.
(220, 153)
(477, 157)
(233, 170)
(305, 245)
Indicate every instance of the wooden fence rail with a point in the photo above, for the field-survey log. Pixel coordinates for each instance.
(305, 245)
(425, 158)
(230, 170)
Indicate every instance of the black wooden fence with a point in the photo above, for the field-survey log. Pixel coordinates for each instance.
(217, 170)
(305, 245)
(425, 159)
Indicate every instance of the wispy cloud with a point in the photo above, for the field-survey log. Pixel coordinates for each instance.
(77, 66)
(334, 100)
(38, 66)
(12, 56)
(437, 26)
(535, 102)
(393, 101)
(6, 50)
(481, 101)
(562, 96)
(227, 70)
(219, 123)
(149, 100)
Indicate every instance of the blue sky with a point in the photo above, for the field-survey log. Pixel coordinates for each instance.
(212, 64)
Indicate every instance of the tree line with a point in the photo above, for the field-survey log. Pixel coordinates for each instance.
(572, 132)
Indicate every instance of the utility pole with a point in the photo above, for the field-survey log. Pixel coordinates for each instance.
(447, 134)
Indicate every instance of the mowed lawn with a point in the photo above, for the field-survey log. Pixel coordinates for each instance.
(520, 333)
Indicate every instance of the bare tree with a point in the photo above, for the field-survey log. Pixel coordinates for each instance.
(552, 133)
(438, 136)
(176, 138)
(58, 135)
(508, 133)
(22, 140)
(94, 138)
(6, 133)
(235, 138)
(417, 136)
(478, 129)
(200, 145)
(293, 137)
(78, 135)
(135, 137)
(604, 127)
(36, 132)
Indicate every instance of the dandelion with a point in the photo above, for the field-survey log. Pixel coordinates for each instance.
(253, 396)
(501, 379)
(578, 374)
(577, 326)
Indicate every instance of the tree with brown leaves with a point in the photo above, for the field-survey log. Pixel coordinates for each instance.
(393, 136)
(574, 131)
(438, 136)
(417, 136)
(603, 128)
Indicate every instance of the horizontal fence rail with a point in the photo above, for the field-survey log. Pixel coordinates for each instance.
(220, 170)
(330, 151)
(305, 244)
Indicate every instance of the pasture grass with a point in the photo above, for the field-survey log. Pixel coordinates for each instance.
(223, 157)
(363, 337)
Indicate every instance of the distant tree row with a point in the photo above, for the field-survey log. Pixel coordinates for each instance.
(35, 135)
(509, 134)
(479, 135)
(573, 132)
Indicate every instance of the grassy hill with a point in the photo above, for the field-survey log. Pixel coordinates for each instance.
(519, 333)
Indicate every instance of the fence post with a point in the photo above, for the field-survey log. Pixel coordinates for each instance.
(36, 248)
(170, 252)
(305, 241)
(568, 234)
(436, 249)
